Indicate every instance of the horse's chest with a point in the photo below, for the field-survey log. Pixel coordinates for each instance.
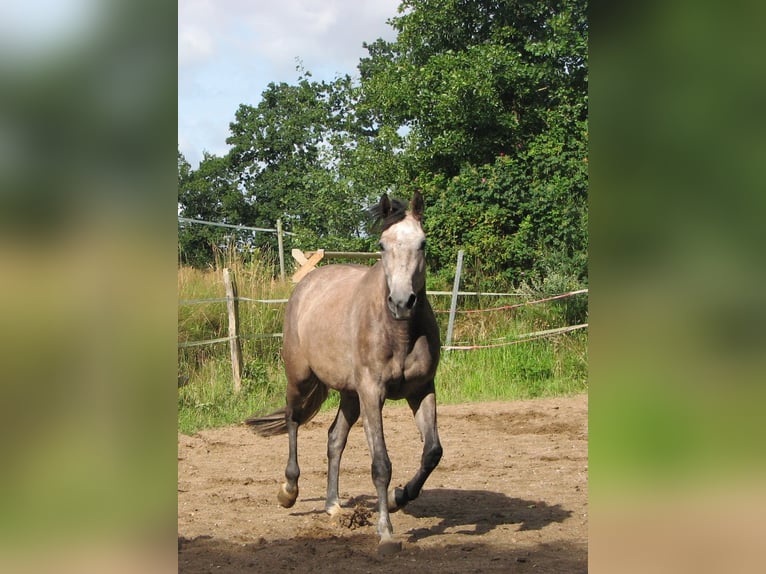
(419, 366)
(408, 370)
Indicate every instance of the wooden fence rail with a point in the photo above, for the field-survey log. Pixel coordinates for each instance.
(307, 260)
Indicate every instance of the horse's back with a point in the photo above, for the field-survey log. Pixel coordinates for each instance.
(321, 291)
(316, 332)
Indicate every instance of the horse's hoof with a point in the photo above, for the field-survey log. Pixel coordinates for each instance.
(333, 509)
(389, 547)
(286, 498)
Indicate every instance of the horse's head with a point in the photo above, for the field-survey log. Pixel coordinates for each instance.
(402, 250)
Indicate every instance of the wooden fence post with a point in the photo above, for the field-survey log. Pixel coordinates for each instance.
(453, 303)
(307, 265)
(232, 305)
(280, 242)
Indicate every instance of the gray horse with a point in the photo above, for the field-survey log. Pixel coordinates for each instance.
(370, 334)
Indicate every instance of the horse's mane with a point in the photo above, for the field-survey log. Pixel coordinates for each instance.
(382, 221)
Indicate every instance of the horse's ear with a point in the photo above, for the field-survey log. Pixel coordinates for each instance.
(384, 206)
(417, 205)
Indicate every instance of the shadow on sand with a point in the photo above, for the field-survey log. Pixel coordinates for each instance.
(466, 512)
(476, 512)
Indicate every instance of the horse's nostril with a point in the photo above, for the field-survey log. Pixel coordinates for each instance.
(390, 299)
(411, 301)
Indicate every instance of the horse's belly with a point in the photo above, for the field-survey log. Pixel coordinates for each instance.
(335, 376)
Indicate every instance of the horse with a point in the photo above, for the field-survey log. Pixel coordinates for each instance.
(369, 333)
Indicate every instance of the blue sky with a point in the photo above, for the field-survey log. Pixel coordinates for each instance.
(229, 51)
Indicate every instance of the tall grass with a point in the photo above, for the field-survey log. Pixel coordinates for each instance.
(205, 394)
(545, 367)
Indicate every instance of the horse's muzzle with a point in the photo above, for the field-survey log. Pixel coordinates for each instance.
(400, 307)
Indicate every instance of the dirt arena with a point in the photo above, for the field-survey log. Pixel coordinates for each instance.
(510, 495)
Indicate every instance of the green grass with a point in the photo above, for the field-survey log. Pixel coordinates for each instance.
(541, 368)
(554, 366)
(210, 401)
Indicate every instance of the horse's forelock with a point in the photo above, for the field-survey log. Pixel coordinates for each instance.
(383, 221)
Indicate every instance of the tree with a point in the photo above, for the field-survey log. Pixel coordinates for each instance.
(293, 155)
(209, 193)
(480, 103)
(492, 96)
(473, 79)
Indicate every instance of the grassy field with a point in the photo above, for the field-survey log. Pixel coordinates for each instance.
(552, 366)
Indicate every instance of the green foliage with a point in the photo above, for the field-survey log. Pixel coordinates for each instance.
(208, 193)
(293, 157)
(512, 229)
(476, 79)
(482, 104)
(493, 96)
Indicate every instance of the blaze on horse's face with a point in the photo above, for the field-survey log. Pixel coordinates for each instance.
(402, 248)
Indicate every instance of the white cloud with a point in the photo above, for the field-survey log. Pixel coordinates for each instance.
(194, 45)
(321, 34)
(198, 24)
(229, 50)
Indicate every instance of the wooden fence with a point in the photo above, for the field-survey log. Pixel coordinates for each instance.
(308, 260)
(232, 300)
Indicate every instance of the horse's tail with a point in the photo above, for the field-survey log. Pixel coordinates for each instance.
(269, 425)
(276, 423)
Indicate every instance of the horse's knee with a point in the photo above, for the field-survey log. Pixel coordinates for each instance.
(381, 470)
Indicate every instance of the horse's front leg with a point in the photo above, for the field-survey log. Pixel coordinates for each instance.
(372, 405)
(424, 409)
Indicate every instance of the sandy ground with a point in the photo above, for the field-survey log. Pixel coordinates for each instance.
(510, 495)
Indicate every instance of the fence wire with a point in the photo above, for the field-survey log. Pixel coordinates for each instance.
(519, 339)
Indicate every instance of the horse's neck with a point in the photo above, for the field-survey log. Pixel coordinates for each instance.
(400, 332)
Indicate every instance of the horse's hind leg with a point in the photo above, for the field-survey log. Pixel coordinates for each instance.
(348, 413)
(288, 493)
(424, 409)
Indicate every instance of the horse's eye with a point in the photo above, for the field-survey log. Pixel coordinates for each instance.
(380, 244)
(423, 245)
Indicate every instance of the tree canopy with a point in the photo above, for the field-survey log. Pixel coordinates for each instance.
(481, 104)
